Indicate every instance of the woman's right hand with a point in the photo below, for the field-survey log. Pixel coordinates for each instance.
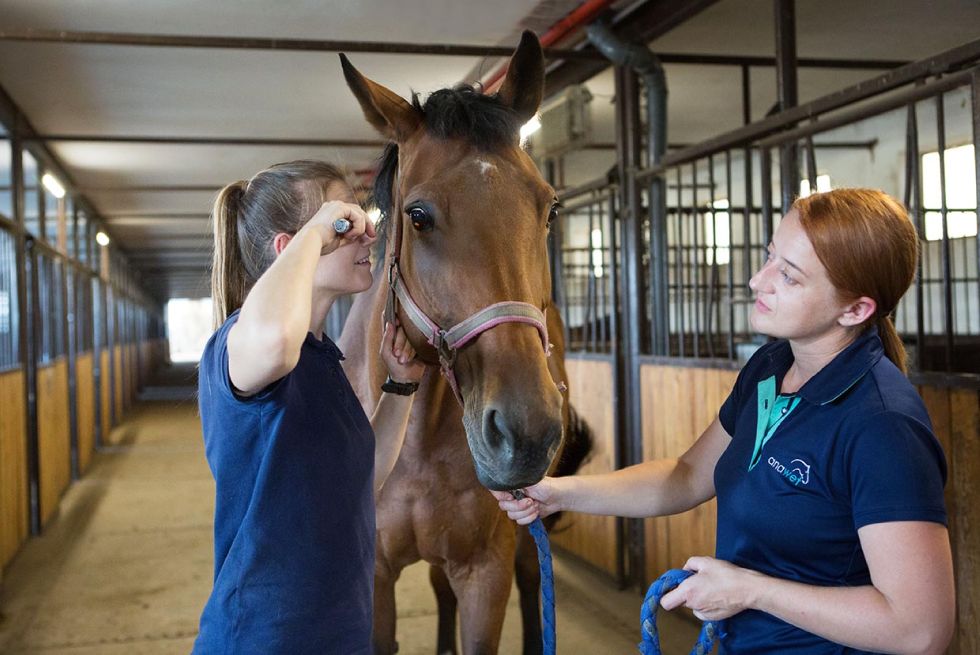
(540, 500)
(323, 220)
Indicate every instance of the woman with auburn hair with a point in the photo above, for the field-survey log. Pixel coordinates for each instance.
(296, 461)
(831, 521)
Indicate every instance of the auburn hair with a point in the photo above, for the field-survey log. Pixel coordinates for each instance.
(868, 245)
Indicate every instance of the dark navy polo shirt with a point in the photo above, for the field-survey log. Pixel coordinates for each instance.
(857, 448)
(294, 508)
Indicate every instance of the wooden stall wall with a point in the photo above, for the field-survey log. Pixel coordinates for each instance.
(85, 409)
(54, 435)
(14, 525)
(105, 394)
(955, 415)
(592, 538)
(678, 404)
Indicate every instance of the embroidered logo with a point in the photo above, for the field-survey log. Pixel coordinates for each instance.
(798, 471)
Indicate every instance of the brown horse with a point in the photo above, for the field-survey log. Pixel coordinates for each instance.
(465, 227)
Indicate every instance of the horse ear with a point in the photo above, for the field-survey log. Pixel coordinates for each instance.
(387, 111)
(523, 88)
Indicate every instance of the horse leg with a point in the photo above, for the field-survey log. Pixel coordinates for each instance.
(446, 600)
(528, 585)
(384, 610)
(482, 592)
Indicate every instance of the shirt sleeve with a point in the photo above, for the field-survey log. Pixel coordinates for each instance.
(214, 367)
(897, 471)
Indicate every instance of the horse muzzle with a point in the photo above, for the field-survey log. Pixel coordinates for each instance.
(512, 449)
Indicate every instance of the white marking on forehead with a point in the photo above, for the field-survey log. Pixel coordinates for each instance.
(485, 166)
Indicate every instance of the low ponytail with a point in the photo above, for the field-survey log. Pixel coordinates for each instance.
(894, 348)
(867, 243)
(228, 275)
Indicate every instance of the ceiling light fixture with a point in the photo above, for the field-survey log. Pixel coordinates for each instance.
(52, 184)
(102, 238)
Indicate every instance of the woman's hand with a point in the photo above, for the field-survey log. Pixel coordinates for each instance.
(540, 500)
(322, 223)
(399, 356)
(717, 590)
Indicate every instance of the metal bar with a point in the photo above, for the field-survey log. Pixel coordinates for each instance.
(679, 260)
(282, 45)
(767, 209)
(710, 304)
(893, 101)
(731, 257)
(695, 261)
(947, 263)
(210, 188)
(789, 165)
(942, 63)
(204, 140)
(747, 163)
(811, 165)
(33, 340)
(914, 203)
(975, 93)
(762, 62)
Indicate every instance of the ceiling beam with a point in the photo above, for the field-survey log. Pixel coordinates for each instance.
(282, 45)
(205, 141)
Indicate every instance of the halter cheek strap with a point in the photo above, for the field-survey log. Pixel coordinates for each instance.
(448, 342)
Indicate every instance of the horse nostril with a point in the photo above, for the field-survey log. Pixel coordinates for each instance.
(497, 432)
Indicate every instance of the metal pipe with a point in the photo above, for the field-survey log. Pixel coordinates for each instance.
(644, 62)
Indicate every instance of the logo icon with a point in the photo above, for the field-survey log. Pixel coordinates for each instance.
(798, 471)
(802, 471)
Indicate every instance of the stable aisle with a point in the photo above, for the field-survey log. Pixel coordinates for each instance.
(125, 566)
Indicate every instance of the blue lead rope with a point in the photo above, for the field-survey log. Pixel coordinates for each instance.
(547, 580)
(547, 586)
(648, 616)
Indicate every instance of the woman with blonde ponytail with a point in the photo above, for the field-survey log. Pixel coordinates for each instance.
(296, 461)
(831, 532)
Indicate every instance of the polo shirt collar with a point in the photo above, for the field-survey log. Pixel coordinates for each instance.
(842, 373)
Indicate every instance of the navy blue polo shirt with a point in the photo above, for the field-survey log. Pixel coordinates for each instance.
(294, 508)
(855, 447)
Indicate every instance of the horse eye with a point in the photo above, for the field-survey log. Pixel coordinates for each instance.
(553, 214)
(421, 220)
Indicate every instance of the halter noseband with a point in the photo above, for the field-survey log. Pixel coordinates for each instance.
(449, 342)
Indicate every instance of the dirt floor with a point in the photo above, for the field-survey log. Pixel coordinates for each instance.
(125, 567)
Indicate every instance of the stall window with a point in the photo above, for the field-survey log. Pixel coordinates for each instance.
(9, 350)
(32, 209)
(6, 178)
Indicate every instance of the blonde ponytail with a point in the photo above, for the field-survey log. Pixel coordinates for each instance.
(228, 276)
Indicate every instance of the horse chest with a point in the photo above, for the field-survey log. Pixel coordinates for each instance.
(416, 521)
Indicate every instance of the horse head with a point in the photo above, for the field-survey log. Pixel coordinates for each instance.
(465, 224)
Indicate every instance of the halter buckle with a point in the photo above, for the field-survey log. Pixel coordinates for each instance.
(447, 354)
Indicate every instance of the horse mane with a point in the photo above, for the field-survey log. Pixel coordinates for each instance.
(461, 112)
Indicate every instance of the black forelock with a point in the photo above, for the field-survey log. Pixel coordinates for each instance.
(458, 113)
